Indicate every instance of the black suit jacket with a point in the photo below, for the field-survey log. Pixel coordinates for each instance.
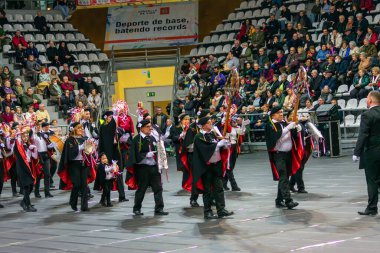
(163, 121)
(368, 143)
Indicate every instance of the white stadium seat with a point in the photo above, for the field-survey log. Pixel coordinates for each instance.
(206, 39)
(352, 103)
(97, 80)
(215, 38)
(202, 51)
(218, 49)
(193, 52)
(357, 121)
(41, 48)
(18, 18)
(223, 37)
(85, 69)
(28, 18)
(362, 103)
(342, 103)
(219, 27)
(50, 36)
(227, 48)
(96, 69)
(231, 16)
(103, 57)
(231, 36)
(81, 47)
(210, 50)
(227, 27)
(349, 121)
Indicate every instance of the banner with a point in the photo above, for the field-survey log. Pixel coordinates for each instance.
(151, 26)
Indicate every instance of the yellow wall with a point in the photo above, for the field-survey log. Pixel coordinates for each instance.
(138, 78)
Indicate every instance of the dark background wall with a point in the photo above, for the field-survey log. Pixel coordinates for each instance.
(92, 22)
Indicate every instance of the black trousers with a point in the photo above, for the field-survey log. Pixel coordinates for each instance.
(53, 169)
(298, 178)
(147, 175)
(26, 191)
(212, 183)
(372, 175)
(120, 186)
(194, 193)
(78, 174)
(1, 176)
(106, 194)
(45, 160)
(283, 161)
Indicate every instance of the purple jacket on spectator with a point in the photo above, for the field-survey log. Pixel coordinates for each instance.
(220, 78)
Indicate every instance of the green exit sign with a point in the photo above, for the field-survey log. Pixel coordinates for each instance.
(151, 94)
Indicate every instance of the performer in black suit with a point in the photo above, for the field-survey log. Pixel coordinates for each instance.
(279, 142)
(208, 166)
(73, 170)
(143, 158)
(367, 150)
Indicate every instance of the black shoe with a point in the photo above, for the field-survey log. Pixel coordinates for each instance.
(109, 205)
(280, 204)
(213, 203)
(90, 196)
(1, 206)
(37, 195)
(302, 191)
(194, 203)
(123, 199)
(368, 212)
(85, 209)
(31, 209)
(291, 205)
(138, 212)
(74, 208)
(103, 203)
(22, 204)
(225, 187)
(224, 213)
(48, 195)
(210, 215)
(236, 189)
(160, 212)
(52, 186)
(292, 189)
(15, 194)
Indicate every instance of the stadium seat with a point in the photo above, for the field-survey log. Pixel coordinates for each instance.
(206, 39)
(223, 37)
(10, 17)
(69, 27)
(227, 48)
(244, 5)
(349, 121)
(352, 103)
(231, 36)
(93, 57)
(210, 50)
(50, 36)
(49, 18)
(29, 37)
(357, 121)
(80, 37)
(362, 103)
(292, 8)
(96, 69)
(58, 17)
(58, 27)
(301, 7)
(70, 37)
(376, 19)
(6, 49)
(264, 12)
(43, 59)
(346, 94)
(240, 15)
(256, 13)
(219, 27)
(71, 47)
(30, 28)
(315, 103)
(60, 36)
(218, 49)
(41, 48)
(28, 18)
(18, 27)
(97, 80)
(81, 47)
(227, 27)
(82, 58)
(231, 16)
(103, 57)
(18, 18)
(341, 90)
(260, 22)
(202, 51)
(236, 26)
(342, 103)
(221, 59)
(248, 14)
(193, 52)
(369, 18)
(85, 69)
(92, 46)
(215, 38)
(40, 37)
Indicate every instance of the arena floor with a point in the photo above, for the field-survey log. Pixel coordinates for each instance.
(325, 221)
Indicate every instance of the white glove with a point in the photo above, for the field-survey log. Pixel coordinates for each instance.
(355, 158)
(222, 143)
(299, 128)
(31, 147)
(149, 154)
(182, 135)
(2, 145)
(51, 145)
(292, 125)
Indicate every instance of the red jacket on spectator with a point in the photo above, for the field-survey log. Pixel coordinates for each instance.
(367, 4)
(7, 118)
(67, 86)
(373, 38)
(19, 40)
(126, 123)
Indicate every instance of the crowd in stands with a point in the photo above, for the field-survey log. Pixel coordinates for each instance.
(268, 58)
(60, 80)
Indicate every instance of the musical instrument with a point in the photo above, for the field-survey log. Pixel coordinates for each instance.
(58, 141)
(231, 88)
(298, 86)
(89, 147)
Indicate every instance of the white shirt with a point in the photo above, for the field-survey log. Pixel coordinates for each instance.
(79, 157)
(216, 156)
(284, 144)
(147, 160)
(40, 142)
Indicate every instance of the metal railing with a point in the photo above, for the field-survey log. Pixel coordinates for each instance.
(29, 4)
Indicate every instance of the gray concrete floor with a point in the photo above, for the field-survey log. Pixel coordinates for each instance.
(325, 221)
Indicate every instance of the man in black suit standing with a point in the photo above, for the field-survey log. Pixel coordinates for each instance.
(368, 148)
(160, 119)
